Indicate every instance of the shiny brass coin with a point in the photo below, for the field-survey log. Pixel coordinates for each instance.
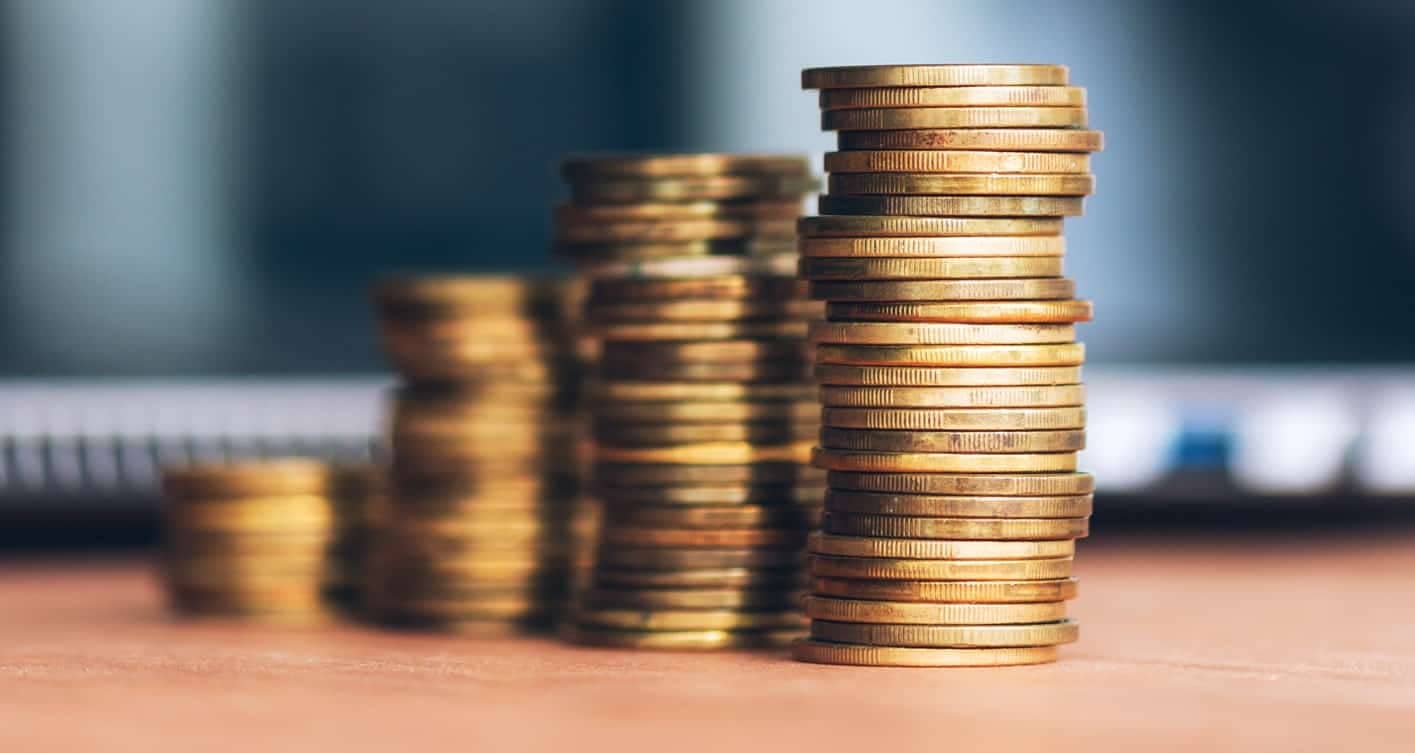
(674, 165)
(953, 397)
(924, 376)
(709, 453)
(947, 636)
(701, 311)
(697, 188)
(769, 432)
(469, 295)
(956, 162)
(862, 76)
(699, 391)
(824, 652)
(973, 506)
(890, 571)
(683, 640)
(901, 118)
(721, 289)
(724, 517)
(938, 549)
(928, 333)
(962, 529)
(847, 226)
(969, 592)
(705, 412)
(952, 96)
(218, 545)
(661, 559)
(736, 351)
(954, 206)
(1061, 354)
(774, 265)
(607, 255)
(698, 538)
(693, 598)
(953, 441)
(1011, 312)
(582, 214)
(632, 474)
(956, 419)
(1004, 139)
(937, 184)
(699, 330)
(935, 268)
(789, 370)
(941, 462)
(942, 246)
(922, 613)
(264, 478)
(253, 522)
(713, 495)
(937, 291)
(689, 619)
(722, 577)
(673, 231)
(1028, 485)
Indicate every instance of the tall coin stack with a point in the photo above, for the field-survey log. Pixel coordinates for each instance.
(476, 532)
(950, 375)
(248, 540)
(702, 409)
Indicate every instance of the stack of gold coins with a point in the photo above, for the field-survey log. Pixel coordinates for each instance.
(949, 368)
(354, 490)
(248, 540)
(476, 531)
(702, 408)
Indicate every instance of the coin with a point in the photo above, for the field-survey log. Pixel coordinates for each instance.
(744, 351)
(937, 291)
(786, 370)
(940, 462)
(697, 538)
(589, 214)
(715, 288)
(857, 76)
(1054, 164)
(955, 206)
(631, 474)
(715, 495)
(699, 391)
(924, 376)
(1058, 354)
(923, 613)
(1005, 139)
(952, 397)
(768, 432)
(915, 333)
(900, 118)
(1028, 485)
(705, 412)
(268, 478)
(693, 619)
(947, 636)
(700, 310)
(938, 549)
(952, 96)
(707, 266)
(956, 419)
(970, 592)
(1011, 312)
(822, 652)
(693, 598)
(700, 330)
(671, 165)
(973, 506)
(943, 246)
(890, 571)
(673, 230)
(847, 226)
(692, 188)
(723, 577)
(683, 640)
(659, 559)
(868, 268)
(953, 441)
(608, 256)
(926, 184)
(900, 527)
(728, 517)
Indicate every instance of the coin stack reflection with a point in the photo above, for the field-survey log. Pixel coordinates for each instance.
(476, 531)
(702, 411)
(949, 367)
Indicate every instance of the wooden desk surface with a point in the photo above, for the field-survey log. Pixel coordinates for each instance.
(1284, 644)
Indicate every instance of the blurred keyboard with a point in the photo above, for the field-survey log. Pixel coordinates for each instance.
(1164, 435)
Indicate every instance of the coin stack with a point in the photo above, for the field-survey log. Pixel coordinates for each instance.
(950, 374)
(353, 491)
(248, 540)
(702, 409)
(476, 532)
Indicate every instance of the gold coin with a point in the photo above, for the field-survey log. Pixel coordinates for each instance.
(722, 577)
(610, 256)
(967, 484)
(953, 397)
(934, 184)
(972, 506)
(924, 376)
(708, 453)
(846, 226)
(582, 214)
(250, 522)
(931, 161)
(713, 495)
(699, 391)
(698, 538)
(699, 330)
(1009, 312)
(867, 268)
(508, 608)
(706, 412)
(923, 613)
(954, 206)
(901, 118)
(694, 188)
(693, 598)
(738, 351)
(788, 370)
(683, 640)
(968, 592)
(1060, 354)
(674, 230)
(632, 474)
(999, 529)
(952, 96)
(502, 294)
(255, 478)
(947, 636)
(636, 435)
(953, 441)
(673, 165)
(823, 652)
(938, 549)
(941, 462)
(656, 559)
(688, 619)
(728, 516)
(716, 288)
(701, 311)
(862, 76)
(899, 571)
(1004, 139)
(936, 291)
(778, 265)
(914, 333)
(956, 419)
(943, 246)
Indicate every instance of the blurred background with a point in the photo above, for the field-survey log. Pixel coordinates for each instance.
(197, 195)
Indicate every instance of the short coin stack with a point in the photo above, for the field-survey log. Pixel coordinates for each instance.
(702, 410)
(475, 534)
(949, 369)
(353, 492)
(248, 540)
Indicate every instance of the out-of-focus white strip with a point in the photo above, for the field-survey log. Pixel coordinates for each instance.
(1295, 442)
(1385, 463)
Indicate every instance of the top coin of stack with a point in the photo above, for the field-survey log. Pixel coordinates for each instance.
(949, 368)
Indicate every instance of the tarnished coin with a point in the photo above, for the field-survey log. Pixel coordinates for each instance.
(692, 598)
(688, 619)
(953, 441)
(662, 559)
(588, 167)
(824, 652)
(929, 333)
(920, 268)
(942, 246)
(937, 291)
(952, 96)
(938, 549)
(837, 396)
(968, 592)
(942, 506)
(923, 613)
(848, 226)
(698, 538)
(897, 571)
(1004, 139)
(947, 636)
(962, 529)
(682, 640)
(937, 184)
(925, 376)
(1061, 354)
(862, 76)
(954, 206)
(1013, 312)
(940, 462)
